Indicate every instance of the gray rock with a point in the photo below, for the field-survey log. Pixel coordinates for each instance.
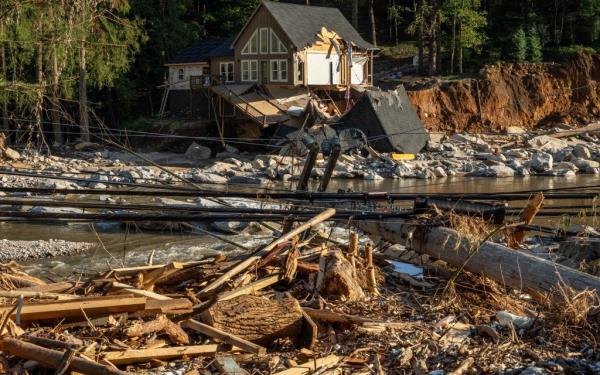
(546, 143)
(581, 151)
(584, 164)
(258, 164)
(221, 168)
(434, 147)
(208, 178)
(198, 152)
(501, 171)
(439, 172)
(567, 166)
(512, 130)
(372, 176)
(542, 162)
(271, 173)
(403, 170)
(592, 170)
(517, 153)
(234, 161)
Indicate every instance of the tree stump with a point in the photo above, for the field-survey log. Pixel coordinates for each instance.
(339, 279)
(257, 319)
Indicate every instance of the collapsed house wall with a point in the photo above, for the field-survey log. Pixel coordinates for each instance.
(509, 94)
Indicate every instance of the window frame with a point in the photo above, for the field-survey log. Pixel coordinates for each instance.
(180, 74)
(227, 72)
(266, 40)
(247, 50)
(281, 48)
(250, 70)
(279, 63)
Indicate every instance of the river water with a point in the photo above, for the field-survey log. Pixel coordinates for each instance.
(132, 246)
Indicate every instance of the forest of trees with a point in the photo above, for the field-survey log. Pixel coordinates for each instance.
(84, 61)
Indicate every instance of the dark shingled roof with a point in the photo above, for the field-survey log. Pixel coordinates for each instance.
(202, 50)
(301, 23)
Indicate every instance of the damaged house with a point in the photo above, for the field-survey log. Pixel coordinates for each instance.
(288, 61)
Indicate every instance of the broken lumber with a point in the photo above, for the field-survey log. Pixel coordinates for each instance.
(257, 319)
(516, 269)
(338, 279)
(125, 288)
(226, 365)
(310, 366)
(34, 294)
(53, 358)
(49, 288)
(248, 262)
(227, 338)
(145, 355)
(161, 324)
(74, 308)
(250, 288)
(336, 317)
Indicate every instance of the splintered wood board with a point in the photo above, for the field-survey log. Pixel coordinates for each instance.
(144, 355)
(73, 308)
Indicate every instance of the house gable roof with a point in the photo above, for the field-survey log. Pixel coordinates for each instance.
(203, 50)
(302, 23)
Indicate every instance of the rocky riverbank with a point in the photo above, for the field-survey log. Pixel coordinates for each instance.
(25, 250)
(560, 152)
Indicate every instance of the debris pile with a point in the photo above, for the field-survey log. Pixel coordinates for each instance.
(298, 305)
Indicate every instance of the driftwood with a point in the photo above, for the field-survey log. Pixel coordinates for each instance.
(147, 355)
(161, 324)
(248, 262)
(53, 358)
(257, 319)
(224, 336)
(310, 366)
(513, 268)
(338, 278)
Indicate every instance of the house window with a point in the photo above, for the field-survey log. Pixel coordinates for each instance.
(249, 70)
(180, 75)
(251, 46)
(279, 70)
(264, 41)
(276, 45)
(227, 72)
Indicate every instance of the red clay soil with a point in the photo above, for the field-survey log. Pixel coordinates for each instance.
(511, 94)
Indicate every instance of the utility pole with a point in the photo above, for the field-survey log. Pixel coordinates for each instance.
(83, 111)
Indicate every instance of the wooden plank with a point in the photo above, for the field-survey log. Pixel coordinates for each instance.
(250, 288)
(516, 269)
(125, 288)
(33, 294)
(224, 336)
(74, 308)
(49, 288)
(310, 366)
(171, 306)
(145, 355)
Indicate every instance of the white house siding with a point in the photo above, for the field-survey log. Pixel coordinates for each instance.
(318, 68)
(188, 71)
(358, 70)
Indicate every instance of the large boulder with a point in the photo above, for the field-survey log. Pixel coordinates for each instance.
(582, 152)
(208, 178)
(547, 143)
(198, 152)
(542, 162)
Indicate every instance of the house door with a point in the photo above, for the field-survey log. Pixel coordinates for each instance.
(264, 72)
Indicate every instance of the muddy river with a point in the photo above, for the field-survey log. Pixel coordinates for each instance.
(132, 246)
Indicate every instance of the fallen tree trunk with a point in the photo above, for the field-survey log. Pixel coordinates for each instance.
(53, 358)
(256, 319)
(516, 269)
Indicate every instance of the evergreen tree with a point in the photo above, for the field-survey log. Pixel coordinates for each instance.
(534, 45)
(519, 51)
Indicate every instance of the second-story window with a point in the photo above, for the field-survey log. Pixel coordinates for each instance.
(251, 47)
(264, 40)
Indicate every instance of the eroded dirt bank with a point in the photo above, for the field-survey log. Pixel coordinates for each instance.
(510, 94)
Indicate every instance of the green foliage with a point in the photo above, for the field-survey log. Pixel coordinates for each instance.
(534, 45)
(519, 40)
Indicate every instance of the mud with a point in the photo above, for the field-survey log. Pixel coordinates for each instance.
(511, 94)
